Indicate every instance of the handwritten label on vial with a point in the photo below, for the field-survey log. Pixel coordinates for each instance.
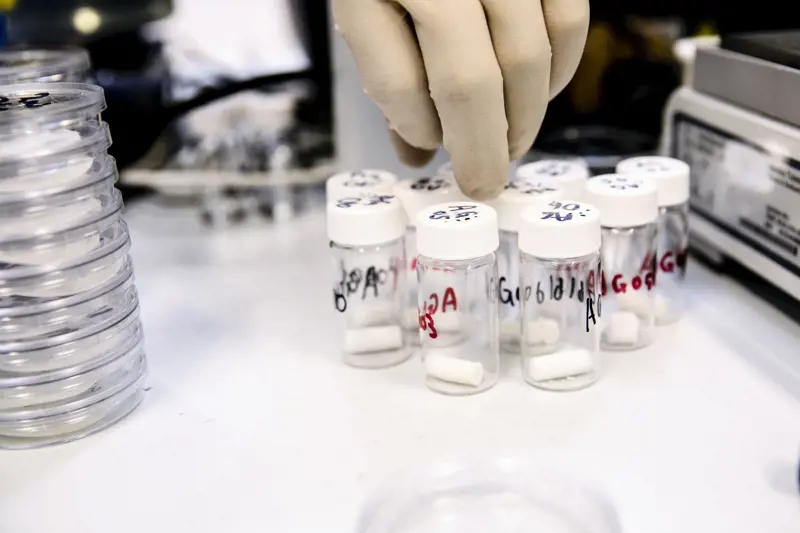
(459, 213)
(426, 323)
(620, 183)
(363, 179)
(362, 283)
(564, 212)
(652, 165)
(591, 316)
(672, 260)
(430, 184)
(551, 168)
(530, 188)
(448, 300)
(365, 200)
(32, 101)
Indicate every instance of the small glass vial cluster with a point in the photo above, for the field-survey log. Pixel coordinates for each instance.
(628, 215)
(519, 195)
(366, 233)
(457, 311)
(560, 267)
(671, 177)
(416, 195)
(568, 176)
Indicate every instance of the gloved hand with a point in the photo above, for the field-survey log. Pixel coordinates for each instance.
(473, 75)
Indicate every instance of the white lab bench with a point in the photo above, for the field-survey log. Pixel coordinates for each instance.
(251, 423)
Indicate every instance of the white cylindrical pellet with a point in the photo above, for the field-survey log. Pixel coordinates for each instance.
(453, 370)
(560, 365)
(372, 314)
(544, 331)
(637, 302)
(375, 339)
(623, 328)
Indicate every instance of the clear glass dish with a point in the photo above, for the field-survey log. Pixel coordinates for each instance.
(29, 173)
(19, 325)
(31, 285)
(40, 119)
(20, 65)
(77, 424)
(49, 215)
(56, 357)
(85, 385)
(497, 496)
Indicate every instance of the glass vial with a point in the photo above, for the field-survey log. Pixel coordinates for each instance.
(569, 176)
(457, 276)
(359, 182)
(416, 195)
(366, 234)
(628, 216)
(671, 177)
(560, 266)
(519, 195)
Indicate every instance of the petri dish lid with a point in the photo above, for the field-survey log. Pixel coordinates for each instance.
(43, 65)
(497, 495)
(34, 106)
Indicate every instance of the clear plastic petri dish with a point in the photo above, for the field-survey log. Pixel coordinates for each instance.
(59, 212)
(84, 386)
(45, 119)
(20, 65)
(77, 424)
(24, 324)
(499, 495)
(31, 285)
(56, 357)
(53, 251)
(29, 170)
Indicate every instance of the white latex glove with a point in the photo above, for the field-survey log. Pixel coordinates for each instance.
(473, 75)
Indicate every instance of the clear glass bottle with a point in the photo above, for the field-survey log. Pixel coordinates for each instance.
(366, 234)
(416, 195)
(560, 266)
(457, 277)
(671, 177)
(628, 215)
(567, 175)
(519, 195)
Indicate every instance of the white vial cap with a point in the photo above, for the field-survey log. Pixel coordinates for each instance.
(359, 181)
(624, 201)
(569, 176)
(519, 195)
(672, 176)
(420, 193)
(365, 220)
(562, 230)
(456, 231)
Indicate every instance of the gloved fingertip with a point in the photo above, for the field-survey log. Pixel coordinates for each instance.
(518, 152)
(408, 154)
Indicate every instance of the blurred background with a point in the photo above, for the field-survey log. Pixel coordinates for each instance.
(245, 106)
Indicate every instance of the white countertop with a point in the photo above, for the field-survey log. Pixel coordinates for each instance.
(252, 423)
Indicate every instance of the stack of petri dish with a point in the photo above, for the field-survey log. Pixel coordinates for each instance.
(72, 357)
(44, 65)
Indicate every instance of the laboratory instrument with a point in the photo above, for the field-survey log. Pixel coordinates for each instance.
(560, 268)
(672, 179)
(366, 233)
(519, 195)
(743, 145)
(629, 218)
(416, 195)
(72, 357)
(457, 295)
(500, 495)
(569, 176)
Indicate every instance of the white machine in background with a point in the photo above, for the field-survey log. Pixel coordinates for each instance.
(745, 165)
